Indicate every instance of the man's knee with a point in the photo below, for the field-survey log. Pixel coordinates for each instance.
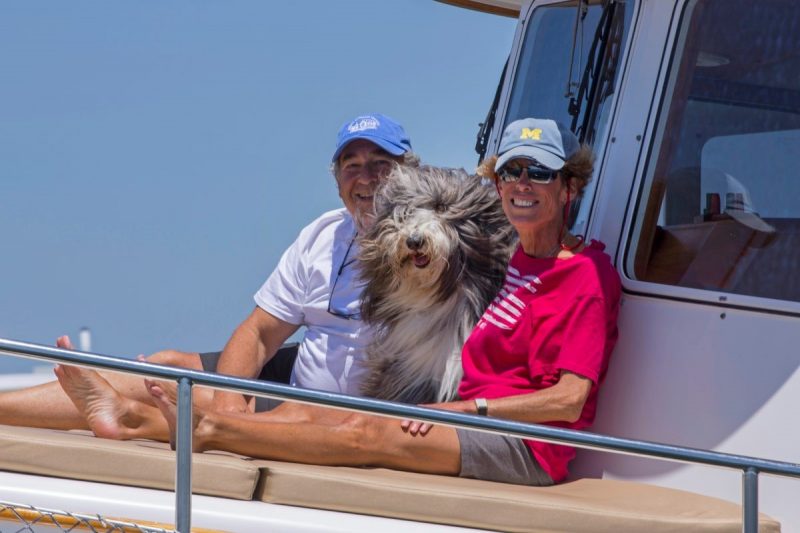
(176, 358)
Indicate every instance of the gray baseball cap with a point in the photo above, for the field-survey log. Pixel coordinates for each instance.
(547, 142)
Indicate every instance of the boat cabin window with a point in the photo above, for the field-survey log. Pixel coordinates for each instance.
(567, 70)
(721, 204)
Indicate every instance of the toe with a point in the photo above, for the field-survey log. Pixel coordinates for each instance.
(65, 342)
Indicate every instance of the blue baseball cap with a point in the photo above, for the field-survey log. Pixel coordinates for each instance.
(376, 128)
(545, 141)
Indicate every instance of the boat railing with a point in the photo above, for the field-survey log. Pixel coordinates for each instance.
(751, 467)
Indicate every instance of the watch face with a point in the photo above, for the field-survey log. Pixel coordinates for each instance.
(482, 406)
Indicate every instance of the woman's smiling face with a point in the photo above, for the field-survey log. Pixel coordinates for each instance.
(530, 206)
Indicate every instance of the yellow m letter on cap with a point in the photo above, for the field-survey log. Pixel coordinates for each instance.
(534, 134)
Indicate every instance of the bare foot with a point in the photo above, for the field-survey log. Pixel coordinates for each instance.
(170, 388)
(64, 342)
(108, 414)
(166, 404)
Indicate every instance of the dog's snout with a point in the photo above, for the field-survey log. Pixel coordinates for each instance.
(414, 241)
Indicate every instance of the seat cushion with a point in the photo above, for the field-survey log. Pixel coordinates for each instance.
(80, 455)
(586, 505)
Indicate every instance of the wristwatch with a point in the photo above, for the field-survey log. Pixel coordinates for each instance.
(482, 406)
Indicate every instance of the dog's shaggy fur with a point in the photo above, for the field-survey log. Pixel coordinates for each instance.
(433, 261)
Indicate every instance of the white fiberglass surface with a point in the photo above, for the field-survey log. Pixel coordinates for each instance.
(130, 503)
(705, 377)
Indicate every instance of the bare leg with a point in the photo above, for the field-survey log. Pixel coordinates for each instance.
(109, 414)
(357, 441)
(48, 406)
(43, 406)
(295, 413)
(133, 387)
(117, 404)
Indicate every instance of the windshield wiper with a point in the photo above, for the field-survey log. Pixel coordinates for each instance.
(580, 15)
(598, 75)
(482, 141)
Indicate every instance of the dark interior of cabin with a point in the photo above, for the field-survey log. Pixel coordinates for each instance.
(722, 212)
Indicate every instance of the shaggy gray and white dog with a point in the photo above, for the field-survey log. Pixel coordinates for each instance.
(433, 261)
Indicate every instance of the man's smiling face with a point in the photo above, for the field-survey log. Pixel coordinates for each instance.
(362, 165)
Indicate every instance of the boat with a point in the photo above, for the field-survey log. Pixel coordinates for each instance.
(692, 107)
(693, 110)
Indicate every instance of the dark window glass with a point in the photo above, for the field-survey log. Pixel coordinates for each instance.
(571, 85)
(543, 72)
(721, 208)
(553, 76)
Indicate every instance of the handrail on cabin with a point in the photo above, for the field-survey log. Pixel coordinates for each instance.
(750, 466)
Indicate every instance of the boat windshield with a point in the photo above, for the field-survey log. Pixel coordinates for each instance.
(720, 206)
(568, 48)
(568, 69)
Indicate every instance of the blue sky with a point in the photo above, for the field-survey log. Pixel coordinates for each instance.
(157, 157)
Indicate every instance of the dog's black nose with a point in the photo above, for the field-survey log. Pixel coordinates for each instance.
(414, 242)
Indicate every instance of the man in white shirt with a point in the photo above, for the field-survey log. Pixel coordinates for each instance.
(314, 285)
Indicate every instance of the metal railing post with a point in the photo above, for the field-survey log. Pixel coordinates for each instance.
(750, 500)
(183, 463)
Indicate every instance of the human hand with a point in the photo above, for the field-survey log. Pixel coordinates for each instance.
(415, 427)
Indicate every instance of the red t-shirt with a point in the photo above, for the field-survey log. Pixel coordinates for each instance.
(551, 315)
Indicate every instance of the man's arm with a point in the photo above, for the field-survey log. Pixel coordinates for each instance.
(251, 346)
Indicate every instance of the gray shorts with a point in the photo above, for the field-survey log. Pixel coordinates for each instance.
(500, 458)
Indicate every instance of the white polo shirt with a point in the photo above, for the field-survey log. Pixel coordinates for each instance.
(298, 291)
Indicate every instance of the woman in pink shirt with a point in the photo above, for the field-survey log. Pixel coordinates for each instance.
(541, 349)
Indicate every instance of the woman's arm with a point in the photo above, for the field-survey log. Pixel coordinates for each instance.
(563, 402)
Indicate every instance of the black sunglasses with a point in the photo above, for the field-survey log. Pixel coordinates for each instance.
(536, 173)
